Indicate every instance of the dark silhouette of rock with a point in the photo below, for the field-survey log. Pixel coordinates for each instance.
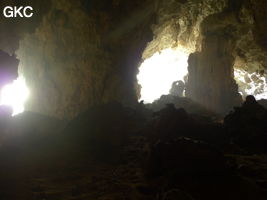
(263, 102)
(247, 125)
(250, 100)
(181, 102)
(170, 123)
(103, 129)
(142, 111)
(178, 88)
(185, 157)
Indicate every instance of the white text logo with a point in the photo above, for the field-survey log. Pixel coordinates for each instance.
(15, 11)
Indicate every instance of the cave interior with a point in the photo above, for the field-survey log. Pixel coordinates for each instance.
(136, 100)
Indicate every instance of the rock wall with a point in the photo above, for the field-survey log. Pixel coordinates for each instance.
(211, 82)
(211, 75)
(85, 53)
(228, 42)
(221, 35)
(178, 24)
(78, 53)
(198, 26)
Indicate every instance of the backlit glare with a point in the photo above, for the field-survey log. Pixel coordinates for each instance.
(15, 95)
(251, 84)
(157, 73)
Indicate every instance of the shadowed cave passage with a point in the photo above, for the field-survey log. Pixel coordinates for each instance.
(136, 100)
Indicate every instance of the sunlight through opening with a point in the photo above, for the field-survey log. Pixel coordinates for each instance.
(15, 95)
(157, 73)
(251, 84)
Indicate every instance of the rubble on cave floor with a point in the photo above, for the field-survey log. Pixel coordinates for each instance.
(110, 152)
(190, 106)
(247, 126)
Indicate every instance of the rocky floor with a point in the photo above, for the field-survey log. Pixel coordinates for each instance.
(253, 167)
(68, 172)
(52, 171)
(110, 153)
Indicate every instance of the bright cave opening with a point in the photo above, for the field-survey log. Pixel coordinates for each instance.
(15, 95)
(251, 83)
(158, 73)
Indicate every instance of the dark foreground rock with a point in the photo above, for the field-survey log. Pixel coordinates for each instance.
(110, 153)
(185, 157)
(104, 129)
(181, 102)
(247, 126)
(170, 123)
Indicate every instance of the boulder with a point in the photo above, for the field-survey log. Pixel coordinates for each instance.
(185, 157)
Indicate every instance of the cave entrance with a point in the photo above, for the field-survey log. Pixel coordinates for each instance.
(15, 95)
(251, 83)
(158, 73)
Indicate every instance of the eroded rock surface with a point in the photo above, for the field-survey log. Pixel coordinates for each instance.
(84, 54)
(77, 54)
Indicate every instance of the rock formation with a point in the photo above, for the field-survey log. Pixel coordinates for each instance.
(74, 54)
(211, 78)
(84, 54)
